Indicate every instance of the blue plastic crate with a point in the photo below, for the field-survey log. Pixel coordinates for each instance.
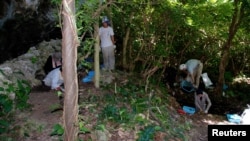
(189, 110)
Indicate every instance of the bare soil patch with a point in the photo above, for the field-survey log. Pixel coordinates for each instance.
(37, 123)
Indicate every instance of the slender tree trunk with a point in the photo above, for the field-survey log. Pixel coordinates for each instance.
(69, 55)
(124, 49)
(125, 44)
(236, 20)
(97, 57)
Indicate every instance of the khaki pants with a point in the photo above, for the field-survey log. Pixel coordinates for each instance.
(108, 54)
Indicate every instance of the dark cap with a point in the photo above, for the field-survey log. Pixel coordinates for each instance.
(199, 91)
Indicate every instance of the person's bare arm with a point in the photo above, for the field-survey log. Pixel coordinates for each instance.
(209, 103)
(113, 39)
(192, 77)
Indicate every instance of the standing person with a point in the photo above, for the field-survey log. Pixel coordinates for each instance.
(106, 34)
(193, 69)
(202, 101)
(52, 62)
(54, 79)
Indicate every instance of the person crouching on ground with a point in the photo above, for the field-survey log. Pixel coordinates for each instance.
(202, 101)
(54, 79)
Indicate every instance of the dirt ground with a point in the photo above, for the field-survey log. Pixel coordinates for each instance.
(46, 112)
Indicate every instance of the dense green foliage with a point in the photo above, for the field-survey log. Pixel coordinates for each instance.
(13, 97)
(152, 35)
(166, 33)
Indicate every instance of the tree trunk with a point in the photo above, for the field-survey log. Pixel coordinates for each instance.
(124, 49)
(125, 44)
(222, 68)
(236, 20)
(97, 57)
(69, 55)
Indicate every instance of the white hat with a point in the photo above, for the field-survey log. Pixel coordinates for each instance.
(105, 19)
(183, 67)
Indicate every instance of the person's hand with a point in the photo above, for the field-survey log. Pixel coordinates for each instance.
(205, 111)
(58, 88)
(54, 90)
(201, 110)
(196, 87)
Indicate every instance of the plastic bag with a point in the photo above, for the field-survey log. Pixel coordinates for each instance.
(234, 118)
(245, 116)
(89, 77)
(206, 79)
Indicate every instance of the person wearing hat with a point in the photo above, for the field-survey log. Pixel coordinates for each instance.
(193, 70)
(202, 101)
(106, 34)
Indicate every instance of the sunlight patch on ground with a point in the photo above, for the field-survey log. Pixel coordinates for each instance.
(224, 122)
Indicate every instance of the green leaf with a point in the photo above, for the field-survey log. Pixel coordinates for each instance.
(101, 127)
(4, 126)
(1, 89)
(84, 130)
(6, 104)
(157, 128)
(57, 130)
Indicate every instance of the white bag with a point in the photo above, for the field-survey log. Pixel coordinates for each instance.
(206, 80)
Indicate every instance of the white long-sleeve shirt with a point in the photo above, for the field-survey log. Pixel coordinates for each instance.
(53, 79)
(106, 36)
(203, 102)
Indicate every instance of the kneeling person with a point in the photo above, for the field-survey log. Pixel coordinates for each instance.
(54, 79)
(202, 101)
